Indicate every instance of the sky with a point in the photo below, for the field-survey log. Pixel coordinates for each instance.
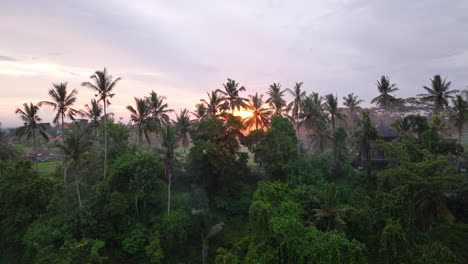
(183, 49)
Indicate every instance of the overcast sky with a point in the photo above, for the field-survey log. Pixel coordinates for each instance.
(183, 49)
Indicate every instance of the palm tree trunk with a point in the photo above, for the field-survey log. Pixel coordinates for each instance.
(204, 249)
(76, 184)
(63, 162)
(105, 138)
(169, 194)
(35, 148)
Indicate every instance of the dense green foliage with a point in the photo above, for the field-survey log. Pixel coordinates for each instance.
(210, 190)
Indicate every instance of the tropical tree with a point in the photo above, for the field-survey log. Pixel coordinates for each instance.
(439, 94)
(31, 127)
(459, 114)
(231, 95)
(159, 109)
(62, 102)
(141, 116)
(260, 115)
(403, 126)
(330, 215)
(331, 105)
(103, 84)
(214, 104)
(385, 99)
(298, 96)
(275, 99)
(352, 102)
(320, 133)
(169, 144)
(183, 125)
(74, 147)
(94, 113)
(440, 125)
(312, 118)
(200, 112)
(365, 135)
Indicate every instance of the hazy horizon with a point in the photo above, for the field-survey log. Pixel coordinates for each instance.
(183, 49)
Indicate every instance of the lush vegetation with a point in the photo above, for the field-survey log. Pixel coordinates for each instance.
(299, 181)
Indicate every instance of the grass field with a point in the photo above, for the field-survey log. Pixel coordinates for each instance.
(48, 167)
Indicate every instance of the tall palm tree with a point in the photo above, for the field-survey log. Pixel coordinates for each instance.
(31, 126)
(275, 99)
(74, 147)
(459, 114)
(298, 96)
(169, 143)
(320, 133)
(103, 84)
(141, 116)
(62, 102)
(403, 126)
(330, 215)
(440, 125)
(331, 105)
(352, 102)
(200, 111)
(214, 104)
(231, 95)
(366, 134)
(311, 110)
(439, 93)
(183, 125)
(385, 99)
(159, 109)
(260, 115)
(94, 113)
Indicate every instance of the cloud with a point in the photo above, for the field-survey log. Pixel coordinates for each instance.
(6, 58)
(183, 48)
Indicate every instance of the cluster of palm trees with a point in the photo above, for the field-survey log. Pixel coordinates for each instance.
(151, 114)
(317, 114)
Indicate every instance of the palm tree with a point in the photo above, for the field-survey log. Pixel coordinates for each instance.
(214, 104)
(440, 125)
(94, 113)
(159, 109)
(331, 105)
(365, 135)
(260, 114)
(403, 126)
(183, 125)
(141, 116)
(31, 125)
(385, 99)
(231, 95)
(275, 99)
(295, 104)
(438, 94)
(330, 214)
(200, 111)
(459, 114)
(62, 101)
(103, 86)
(321, 134)
(352, 102)
(169, 143)
(75, 146)
(311, 110)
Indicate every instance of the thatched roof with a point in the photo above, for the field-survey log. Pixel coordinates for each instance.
(386, 131)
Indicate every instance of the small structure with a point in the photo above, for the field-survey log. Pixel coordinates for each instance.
(379, 159)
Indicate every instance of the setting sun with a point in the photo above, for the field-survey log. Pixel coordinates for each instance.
(243, 113)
